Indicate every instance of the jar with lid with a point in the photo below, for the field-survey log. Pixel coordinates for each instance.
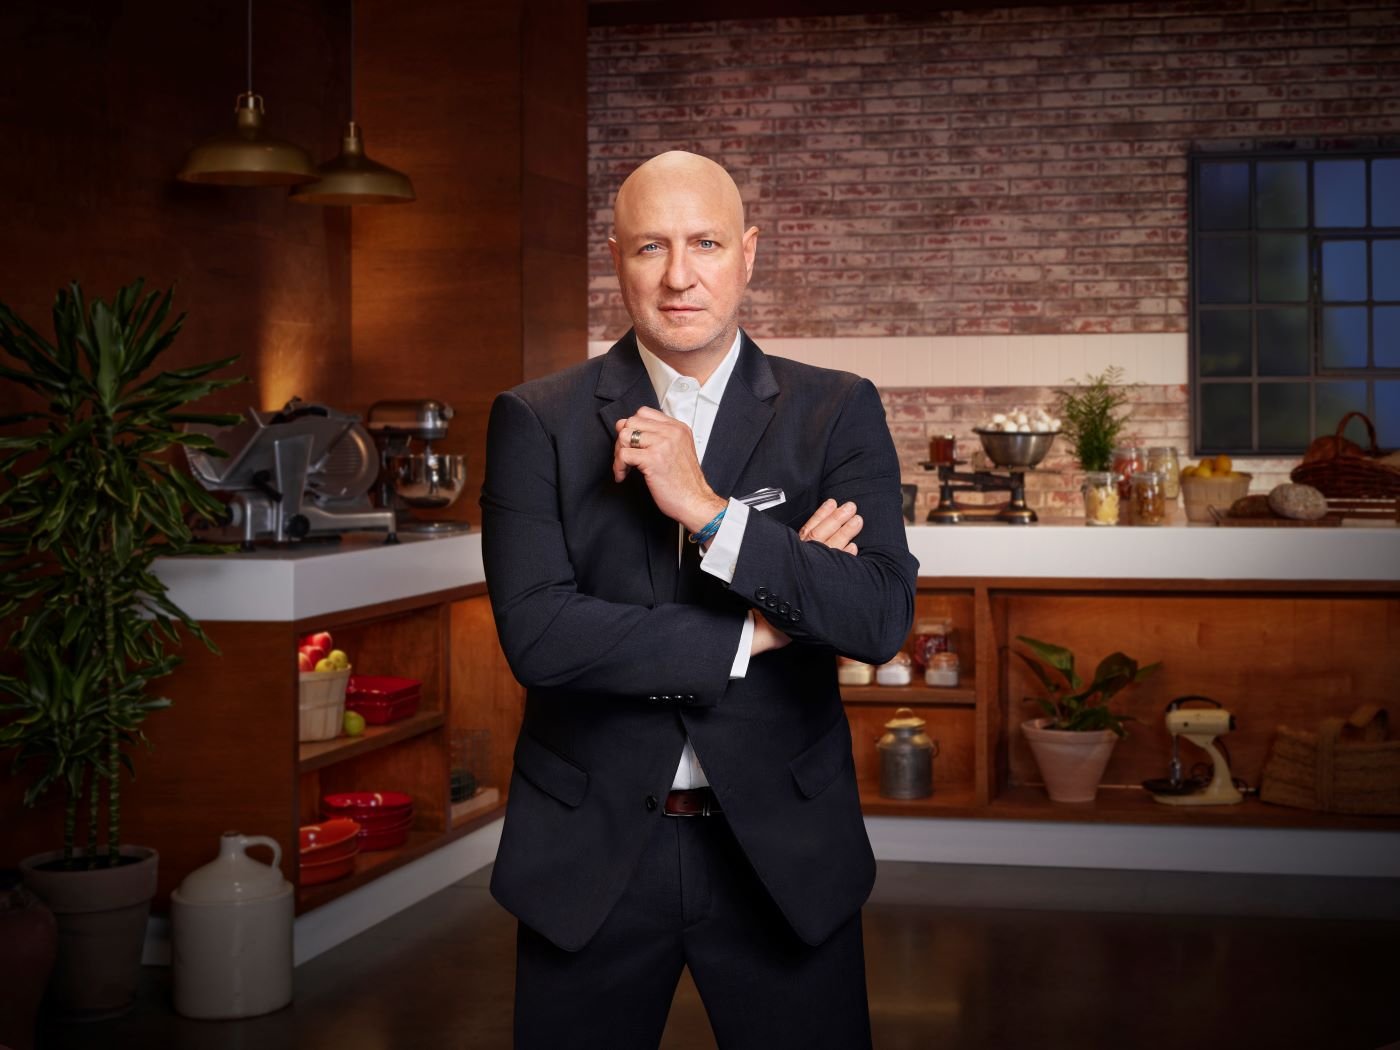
(1162, 459)
(1100, 498)
(942, 670)
(1149, 500)
(931, 635)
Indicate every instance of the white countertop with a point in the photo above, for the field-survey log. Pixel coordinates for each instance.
(285, 585)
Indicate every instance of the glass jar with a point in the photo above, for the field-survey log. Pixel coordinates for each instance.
(931, 635)
(1100, 498)
(1127, 460)
(942, 670)
(1162, 459)
(1149, 499)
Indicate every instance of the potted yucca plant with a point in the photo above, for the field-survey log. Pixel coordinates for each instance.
(89, 501)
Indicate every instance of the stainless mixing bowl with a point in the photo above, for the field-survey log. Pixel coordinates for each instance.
(431, 481)
(1016, 451)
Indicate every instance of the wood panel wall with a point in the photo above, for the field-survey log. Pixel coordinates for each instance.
(481, 283)
(99, 102)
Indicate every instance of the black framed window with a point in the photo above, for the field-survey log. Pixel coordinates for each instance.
(1295, 299)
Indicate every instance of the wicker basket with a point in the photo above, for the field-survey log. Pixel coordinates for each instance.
(1355, 477)
(1345, 767)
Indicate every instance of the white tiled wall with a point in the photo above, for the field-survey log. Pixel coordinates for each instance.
(987, 360)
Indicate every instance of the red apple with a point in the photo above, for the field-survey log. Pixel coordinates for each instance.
(304, 662)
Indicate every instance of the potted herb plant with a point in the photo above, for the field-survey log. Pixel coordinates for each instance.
(89, 501)
(1074, 740)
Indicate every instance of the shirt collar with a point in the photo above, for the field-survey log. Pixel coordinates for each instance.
(663, 375)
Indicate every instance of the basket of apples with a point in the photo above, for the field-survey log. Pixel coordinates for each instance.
(324, 672)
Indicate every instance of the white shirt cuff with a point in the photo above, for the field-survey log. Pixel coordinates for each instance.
(741, 656)
(722, 557)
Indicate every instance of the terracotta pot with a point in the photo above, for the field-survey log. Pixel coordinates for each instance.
(1071, 763)
(28, 945)
(101, 931)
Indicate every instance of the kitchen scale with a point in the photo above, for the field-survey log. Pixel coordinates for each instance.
(1013, 455)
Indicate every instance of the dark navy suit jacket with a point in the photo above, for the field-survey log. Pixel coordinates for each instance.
(622, 658)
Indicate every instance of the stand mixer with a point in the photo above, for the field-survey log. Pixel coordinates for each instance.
(1201, 727)
(1016, 453)
(412, 478)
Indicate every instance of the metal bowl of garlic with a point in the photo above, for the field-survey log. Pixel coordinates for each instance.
(1015, 450)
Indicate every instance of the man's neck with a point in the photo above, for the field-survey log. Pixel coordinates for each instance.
(698, 364)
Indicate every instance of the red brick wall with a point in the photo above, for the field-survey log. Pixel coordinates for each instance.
(1016, 170)
(1013, 172)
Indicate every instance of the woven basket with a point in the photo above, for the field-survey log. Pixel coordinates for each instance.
(1347, 766)
(1356, 477)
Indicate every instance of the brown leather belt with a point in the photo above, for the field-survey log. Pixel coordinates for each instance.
(692, 802)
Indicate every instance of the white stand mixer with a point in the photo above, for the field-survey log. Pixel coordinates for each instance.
(1201, 727)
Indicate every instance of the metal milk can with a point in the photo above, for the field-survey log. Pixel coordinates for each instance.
(232, 933)
(906, 757)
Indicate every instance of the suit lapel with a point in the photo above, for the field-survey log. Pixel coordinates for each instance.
(744, 414)
(623, 387)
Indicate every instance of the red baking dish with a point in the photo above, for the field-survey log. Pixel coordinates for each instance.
(381, 699)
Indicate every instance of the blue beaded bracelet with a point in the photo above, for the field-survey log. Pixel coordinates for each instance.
(708, 532)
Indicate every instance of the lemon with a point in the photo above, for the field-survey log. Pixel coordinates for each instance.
(1223, 466)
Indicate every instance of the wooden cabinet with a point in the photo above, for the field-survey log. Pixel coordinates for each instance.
(1273, 653)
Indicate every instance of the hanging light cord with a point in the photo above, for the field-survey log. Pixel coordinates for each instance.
(250, 47)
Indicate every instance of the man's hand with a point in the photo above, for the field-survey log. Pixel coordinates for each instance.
(664, 451)
(836, 526)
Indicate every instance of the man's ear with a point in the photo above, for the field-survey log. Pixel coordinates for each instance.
(750, 250)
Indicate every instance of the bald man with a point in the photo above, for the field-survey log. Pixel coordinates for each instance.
(680, 536)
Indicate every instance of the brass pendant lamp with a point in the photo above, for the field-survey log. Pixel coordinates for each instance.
(352, 178)
(248, 156)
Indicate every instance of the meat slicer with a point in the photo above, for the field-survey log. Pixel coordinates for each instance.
(303, 471)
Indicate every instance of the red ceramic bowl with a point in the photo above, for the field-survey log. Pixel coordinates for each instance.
(318, 838)
(380, 801)
(387, 822)
(384, 839)
(319, 873)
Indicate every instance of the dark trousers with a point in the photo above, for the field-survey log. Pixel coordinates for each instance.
(693, 901)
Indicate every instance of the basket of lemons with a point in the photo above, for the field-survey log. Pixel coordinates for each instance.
(1213, 482)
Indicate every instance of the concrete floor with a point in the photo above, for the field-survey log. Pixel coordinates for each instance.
(958, 957)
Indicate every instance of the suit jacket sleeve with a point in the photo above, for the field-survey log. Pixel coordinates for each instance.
(553, 635)
(861, 606)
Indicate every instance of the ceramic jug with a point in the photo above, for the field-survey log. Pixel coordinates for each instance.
(232, 932)
(906, 757)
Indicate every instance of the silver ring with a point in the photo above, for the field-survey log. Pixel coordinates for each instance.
(636, 439)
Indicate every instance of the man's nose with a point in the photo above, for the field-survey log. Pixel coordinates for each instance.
(679, 275)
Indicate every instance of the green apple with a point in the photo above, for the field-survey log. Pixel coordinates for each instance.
(354, 723)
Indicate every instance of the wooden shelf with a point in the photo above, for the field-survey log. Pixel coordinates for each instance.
(915, 695)
(947, 800)
(1133, 805)
(322, 753)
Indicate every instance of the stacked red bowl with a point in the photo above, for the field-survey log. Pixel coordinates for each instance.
(384, 817)
(327, 850)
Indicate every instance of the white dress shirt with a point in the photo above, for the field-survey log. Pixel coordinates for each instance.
(686, 400)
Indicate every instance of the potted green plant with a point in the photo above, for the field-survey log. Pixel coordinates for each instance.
(1088, 416)
(90, 501)
(1074, 740)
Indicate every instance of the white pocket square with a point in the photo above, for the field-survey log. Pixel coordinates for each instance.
(762, 499)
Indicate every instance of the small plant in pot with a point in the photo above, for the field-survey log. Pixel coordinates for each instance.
(89, 502)
(1074, 740)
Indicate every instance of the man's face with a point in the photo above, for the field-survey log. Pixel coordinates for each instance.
(682, 256)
